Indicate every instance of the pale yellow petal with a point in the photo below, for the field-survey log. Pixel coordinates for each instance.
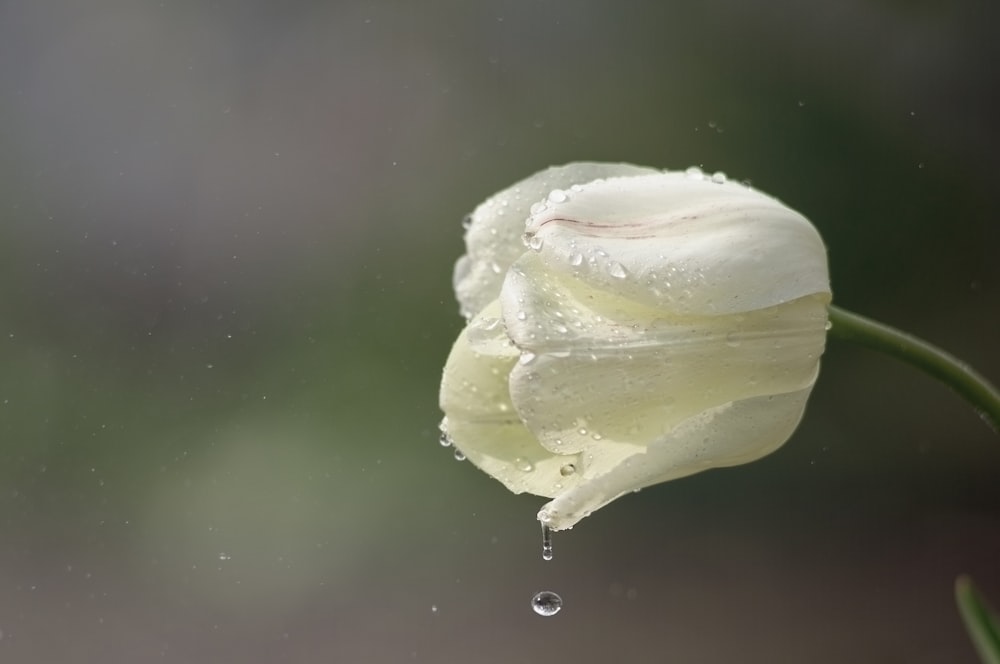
(727, 435)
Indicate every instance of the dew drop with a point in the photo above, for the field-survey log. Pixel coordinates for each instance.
(567, 470)
(558, 196)
(522, 315)
(444, 439)
(719, 177)
(546, 542)
(546, 603)
(576, 259)
(527, 357)
(535, 243)
(695, 173)
(617, 270)
(459, 456)
(523, 465)
(829, 325)
(466, 221)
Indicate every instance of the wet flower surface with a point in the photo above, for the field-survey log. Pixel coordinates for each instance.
(629, 326)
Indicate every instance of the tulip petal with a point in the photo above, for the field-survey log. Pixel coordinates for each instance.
(608, 370)
(691, 246)
(481, 421)
(728, 435)
(493, 239)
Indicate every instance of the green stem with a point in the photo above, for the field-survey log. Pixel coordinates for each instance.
(948, 369)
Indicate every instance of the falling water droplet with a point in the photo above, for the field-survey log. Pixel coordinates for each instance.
(546, 603)
(546, 543)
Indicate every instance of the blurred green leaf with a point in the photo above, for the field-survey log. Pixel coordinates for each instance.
(981, 621)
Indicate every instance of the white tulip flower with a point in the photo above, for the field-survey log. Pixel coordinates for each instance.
(629, 326)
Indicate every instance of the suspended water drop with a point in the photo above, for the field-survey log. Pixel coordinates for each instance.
(466, 221)
(537, 208)
(444, 439)
(546, 543)
(546, 603)
(459, 456)
(527, 357)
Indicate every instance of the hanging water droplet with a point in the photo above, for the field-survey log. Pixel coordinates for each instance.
(558, 196)
(617, 270)
(523, 465)
(466, 221)
(459, 456)
(535, 243)
(576, 259)
(546, 603)
(829, 324)
(567, 470)
(719, 177)
(546, 543)
(444, 439)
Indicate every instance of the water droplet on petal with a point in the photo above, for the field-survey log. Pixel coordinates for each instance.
(617, 270)
(527, 357)
(445, 439)
(719, 177)
(576, 259)
(546, 603)
(695, 173)
(567, 470)
(459, 456)
(466, 221)
(521, 315)
(537, 208)
(535, 243)
(523, 465)
(558, 196)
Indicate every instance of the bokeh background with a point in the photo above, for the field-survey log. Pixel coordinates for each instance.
(226, 239)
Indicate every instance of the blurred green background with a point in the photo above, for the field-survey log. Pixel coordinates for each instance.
(226, 239)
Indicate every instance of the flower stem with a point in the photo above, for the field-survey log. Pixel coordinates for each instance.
(943, 366)
(980, 622)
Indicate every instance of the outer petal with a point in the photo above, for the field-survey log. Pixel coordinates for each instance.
(731, 434)
(480, 419)
(493, 239)
(685, 244)
(598, 372)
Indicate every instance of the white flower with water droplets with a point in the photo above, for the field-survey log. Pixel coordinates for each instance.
(651, 325)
